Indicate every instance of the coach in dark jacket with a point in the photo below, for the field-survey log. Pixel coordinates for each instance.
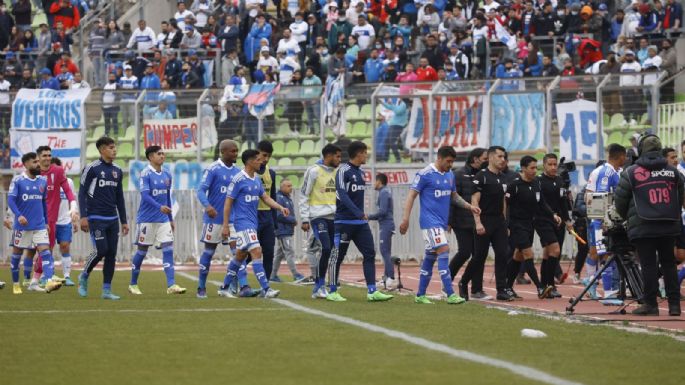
(649, 195)
(461, 220)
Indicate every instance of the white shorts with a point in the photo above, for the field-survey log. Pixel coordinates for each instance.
(149, 234)
(211, 233)
(29, 239)
(434, 238)
(247, 240)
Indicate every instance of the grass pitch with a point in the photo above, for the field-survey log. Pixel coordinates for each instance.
(161, 339)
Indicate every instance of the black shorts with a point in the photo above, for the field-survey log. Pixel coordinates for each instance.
(521, 234)
(548, 232)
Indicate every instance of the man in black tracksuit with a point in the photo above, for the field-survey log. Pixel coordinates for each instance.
(461, 220)
(491, 229)
(551, 233)
(649, 195)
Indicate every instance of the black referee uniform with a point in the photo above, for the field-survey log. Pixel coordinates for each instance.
(555, 197)
(491, 187)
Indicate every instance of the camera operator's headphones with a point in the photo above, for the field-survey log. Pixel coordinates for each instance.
(640, 141)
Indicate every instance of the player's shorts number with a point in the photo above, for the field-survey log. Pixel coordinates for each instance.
(434, 238)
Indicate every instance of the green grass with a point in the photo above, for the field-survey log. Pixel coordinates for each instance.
(256, 341)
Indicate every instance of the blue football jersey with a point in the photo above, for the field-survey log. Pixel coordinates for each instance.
(155, 190)
(245, 192)
(349, 194)
(27, 198)
(213, 189)
(603, 179)
(435, 190)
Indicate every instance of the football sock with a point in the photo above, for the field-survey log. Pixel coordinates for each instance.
(66, 264)
(48, 263)
(14, 264)
(168, 263)
(444, 270)
(205, 264)
(426, 273)
(135, 265)
(258, 269)
(28, 267)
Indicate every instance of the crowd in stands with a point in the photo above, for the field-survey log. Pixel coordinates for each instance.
(306, 42)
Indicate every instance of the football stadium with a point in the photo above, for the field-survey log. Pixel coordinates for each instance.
(342, 191)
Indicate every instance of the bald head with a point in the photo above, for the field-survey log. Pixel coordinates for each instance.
(229, 151)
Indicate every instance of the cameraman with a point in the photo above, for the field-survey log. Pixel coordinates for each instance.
(649, 195)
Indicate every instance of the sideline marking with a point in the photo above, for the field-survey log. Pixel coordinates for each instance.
(523, 371)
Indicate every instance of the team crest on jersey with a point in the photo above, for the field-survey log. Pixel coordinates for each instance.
(102, 174)
(98, 234)
(114, 174)
(167, 182)
(41, 189)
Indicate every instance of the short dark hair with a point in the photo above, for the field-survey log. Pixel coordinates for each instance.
(615, 150)
(551, 155)
(666, 150)
(330, 149)
(447, 152)
(494, 149)
(265, 146)
(474, 154)
(382, 178)
(56, 160)
(355, 148)
(104, 141)
(682, 143)
(40, 149)
(28, 156)
(249, 155)
(527, 160)
(151, 150)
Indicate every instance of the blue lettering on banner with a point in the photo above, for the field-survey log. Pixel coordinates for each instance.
(578, 130)
(518, 121)
(588, 139)
(48, 109)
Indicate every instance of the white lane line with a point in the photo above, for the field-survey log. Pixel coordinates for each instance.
(522, 370)
(190, 310)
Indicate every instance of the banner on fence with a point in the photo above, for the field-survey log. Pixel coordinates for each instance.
(49, 109)
(459, 122)
(180, 135)
(65, 145)
(334, 105)
(578, 127)
(518, 121)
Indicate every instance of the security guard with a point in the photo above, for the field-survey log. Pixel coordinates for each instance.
(649, 195)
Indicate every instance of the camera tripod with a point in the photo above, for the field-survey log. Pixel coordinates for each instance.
(630, 278)
(399, 288)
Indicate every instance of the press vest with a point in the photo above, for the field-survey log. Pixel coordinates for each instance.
(267, 182)
(655, 193)
(323, 191)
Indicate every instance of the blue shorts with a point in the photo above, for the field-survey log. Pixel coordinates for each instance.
(595, 236)
(63, 233)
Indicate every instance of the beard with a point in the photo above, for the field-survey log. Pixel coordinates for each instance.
(34, 171)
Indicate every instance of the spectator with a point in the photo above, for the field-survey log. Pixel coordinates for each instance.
(173, 70)
(126, 31)
(267, 63)
(548, 68)
(209, 40)
(21, 9)
(150, 82)
(259, 30)
(30, 42)
(196, 66)
(670, 65)
(110, 107)
(27, 80)
(48, 82)
(652, 65)
(428, 19)
(299, 30)
(143, 37)
(12, 69)
(165, 36)
(202, 10)
(6, 24)
(129, 82)
(96, 42)
(649, 20)
(161, 112)
(169, 97)
(389, 73)
(287, 43)
(114, 38)
(355, 9)
(189, 78)
(63, 37)
(5, 106)
(631, 99)
(425, 72)
(432, 53)
(373, 67)
(312, 107)
(397, 122)
(459, 61)
(336, 64)
(642, 54)
(16, 39)
(181, 14)
(229, 64)
(673, 15)
(294, 109)
(65, 78)
(65, 60)
(617, 25)
(78, 82)
(449, 73)
(228, 35)
(365, 32)
(44, 44)
(65, 12)
(191, 39)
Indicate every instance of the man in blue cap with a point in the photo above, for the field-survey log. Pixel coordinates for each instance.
(48, 81)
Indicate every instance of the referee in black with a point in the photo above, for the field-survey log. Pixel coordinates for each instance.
(461, 220)
(526, 204)
(551, 232)
(491, 228)
(650, 195)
